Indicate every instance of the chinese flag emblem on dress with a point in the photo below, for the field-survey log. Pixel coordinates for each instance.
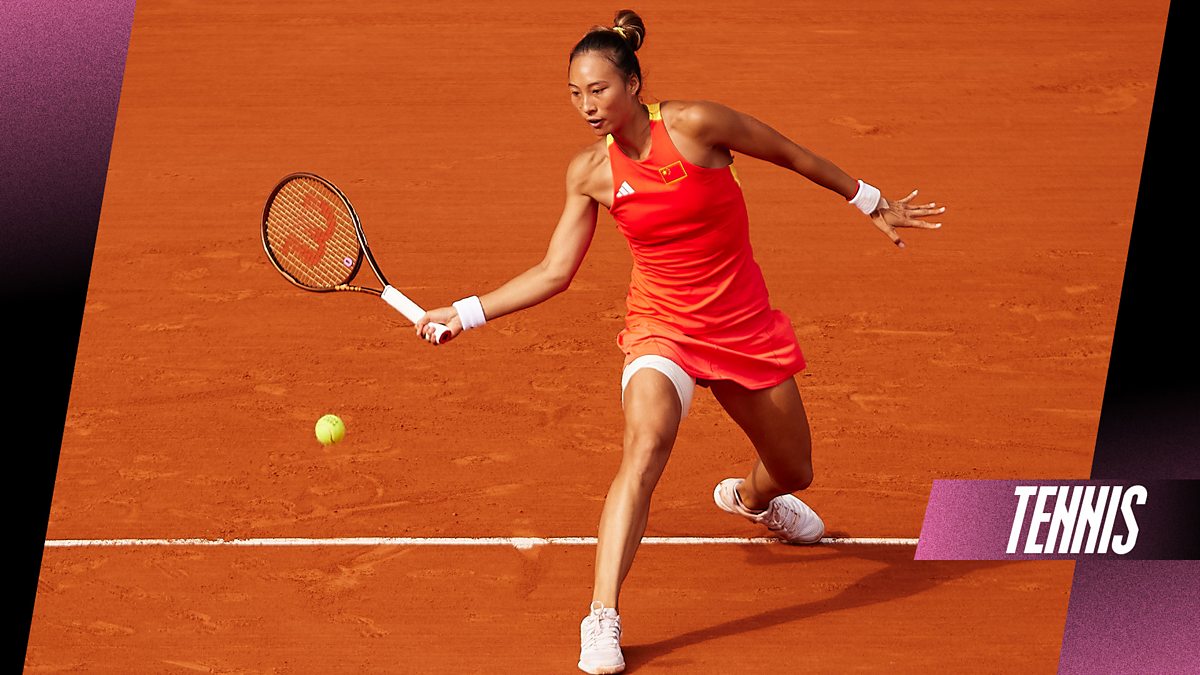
(672, 173)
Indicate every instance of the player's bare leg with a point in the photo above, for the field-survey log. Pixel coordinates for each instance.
(652, 410)
(776, 423)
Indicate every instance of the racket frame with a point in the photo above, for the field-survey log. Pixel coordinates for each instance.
(358, 234)
(364, 251)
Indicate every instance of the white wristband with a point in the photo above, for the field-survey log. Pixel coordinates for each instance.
(470, 312)
(866, 199)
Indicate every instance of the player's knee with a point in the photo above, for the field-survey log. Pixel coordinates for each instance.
(645, 456)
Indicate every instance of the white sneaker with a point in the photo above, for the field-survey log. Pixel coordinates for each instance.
(793, 520)
(600, 641)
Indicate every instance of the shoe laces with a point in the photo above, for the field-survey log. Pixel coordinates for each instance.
(780, 517)
(602, 630)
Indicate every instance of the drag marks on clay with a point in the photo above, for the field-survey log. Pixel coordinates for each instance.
(77, 568)
(271, 389)
(199, 621)
(1038, 312)
(194, 666)
(531, 573)
(347, 573)
(142, 475)
(160, 327)
(859, 128)
(900, 331)
(102, 628)
(308, 512)
(223, 279)
(548, 411)
(226, 296)
(886, 486)
(502, 489)
(32, 665)
(564, 346)
(365, 626)
(1100, 98)
(84, 421)
(877, 404)
(477, 460)
(189, 276)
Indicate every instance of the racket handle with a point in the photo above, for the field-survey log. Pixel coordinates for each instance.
(412, 311)
(440, 332)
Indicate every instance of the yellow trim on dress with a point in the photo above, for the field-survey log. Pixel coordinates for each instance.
(733, 171)
(655, 114)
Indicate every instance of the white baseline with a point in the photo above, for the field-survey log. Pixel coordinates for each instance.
(515, 542)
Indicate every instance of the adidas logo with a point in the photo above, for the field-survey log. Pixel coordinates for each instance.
(625, 189)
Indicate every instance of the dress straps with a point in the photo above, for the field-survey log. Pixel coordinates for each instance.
(655, 114)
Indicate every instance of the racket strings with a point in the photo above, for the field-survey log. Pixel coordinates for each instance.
(311, 233)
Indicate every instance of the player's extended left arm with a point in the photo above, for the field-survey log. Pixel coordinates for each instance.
(719, 125)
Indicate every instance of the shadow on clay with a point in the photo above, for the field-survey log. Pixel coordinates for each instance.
(902, 577)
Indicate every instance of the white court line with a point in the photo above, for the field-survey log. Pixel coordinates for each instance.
(515, 542)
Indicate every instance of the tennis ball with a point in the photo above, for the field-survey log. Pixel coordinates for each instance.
(330, 429)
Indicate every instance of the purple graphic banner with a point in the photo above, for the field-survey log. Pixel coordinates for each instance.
(1061, 519)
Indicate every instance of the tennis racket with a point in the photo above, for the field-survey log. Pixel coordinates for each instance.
(313, 237)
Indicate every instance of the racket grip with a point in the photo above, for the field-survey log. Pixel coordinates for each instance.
(411, 311)
(402, 304)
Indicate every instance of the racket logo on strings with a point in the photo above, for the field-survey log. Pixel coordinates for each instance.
(319, 235)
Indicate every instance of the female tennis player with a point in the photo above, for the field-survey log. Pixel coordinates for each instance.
(698, 310)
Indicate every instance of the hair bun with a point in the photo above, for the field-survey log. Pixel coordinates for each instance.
(630, 26)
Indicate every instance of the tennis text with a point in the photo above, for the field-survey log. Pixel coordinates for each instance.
(1079, 512)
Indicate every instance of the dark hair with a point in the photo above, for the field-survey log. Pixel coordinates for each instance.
(617, 43)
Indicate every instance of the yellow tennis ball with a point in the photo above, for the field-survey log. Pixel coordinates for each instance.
(330, 429)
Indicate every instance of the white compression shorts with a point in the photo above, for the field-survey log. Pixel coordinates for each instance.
(685, 385)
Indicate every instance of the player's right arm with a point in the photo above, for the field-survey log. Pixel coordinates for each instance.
(553, 274)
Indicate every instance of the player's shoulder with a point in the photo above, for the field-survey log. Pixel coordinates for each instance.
(587, 162)
(692, 115)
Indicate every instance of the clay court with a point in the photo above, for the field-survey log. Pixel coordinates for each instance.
(979, 351)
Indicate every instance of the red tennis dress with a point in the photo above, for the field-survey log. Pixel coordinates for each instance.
(696, 295)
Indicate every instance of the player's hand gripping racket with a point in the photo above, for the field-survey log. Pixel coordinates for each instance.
(314, 238)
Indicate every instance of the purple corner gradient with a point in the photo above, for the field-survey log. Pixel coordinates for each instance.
(61, 70)
(1137, 616)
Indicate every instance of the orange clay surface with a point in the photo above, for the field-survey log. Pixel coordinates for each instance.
(980, 351)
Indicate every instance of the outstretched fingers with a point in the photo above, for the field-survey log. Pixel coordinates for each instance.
(911, 213)
(927, 210)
